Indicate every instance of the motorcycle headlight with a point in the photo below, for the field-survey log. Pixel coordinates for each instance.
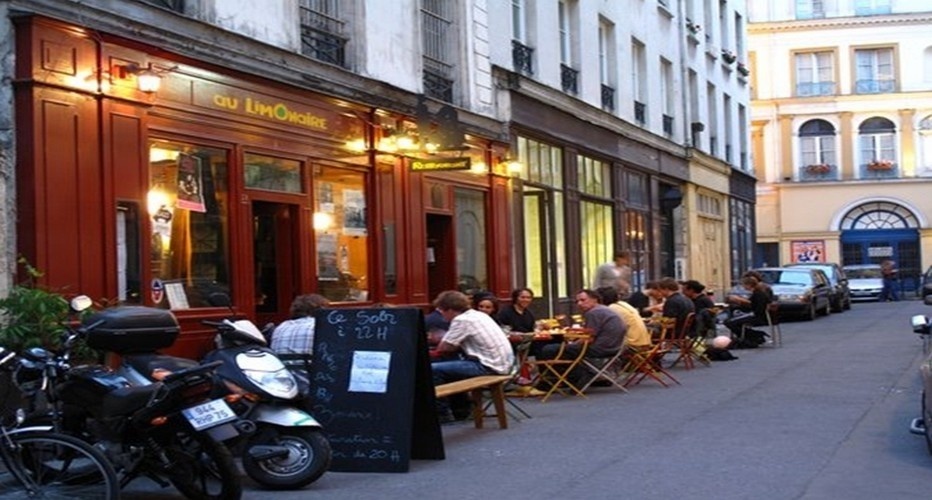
(279, 384)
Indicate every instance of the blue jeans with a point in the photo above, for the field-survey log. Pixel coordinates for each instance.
(451, 371)
(888, 292)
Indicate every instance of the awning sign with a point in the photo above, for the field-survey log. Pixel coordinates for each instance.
(441, 164)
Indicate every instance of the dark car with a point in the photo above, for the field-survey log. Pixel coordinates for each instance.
(799, 290)
(841, 295)
(923, 424)
(927, 283)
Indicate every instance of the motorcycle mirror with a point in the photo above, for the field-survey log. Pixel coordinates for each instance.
(81, 302)
(920, 324)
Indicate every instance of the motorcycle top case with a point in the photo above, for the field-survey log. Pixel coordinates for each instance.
(132, 329)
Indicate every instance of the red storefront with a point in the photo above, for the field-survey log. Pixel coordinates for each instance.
(225, 183)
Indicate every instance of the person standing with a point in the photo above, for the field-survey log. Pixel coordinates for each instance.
(481, 344)
(888, 271)
(615, 274)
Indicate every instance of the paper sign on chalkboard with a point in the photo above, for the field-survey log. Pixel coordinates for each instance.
(372, 389)
(370, 371)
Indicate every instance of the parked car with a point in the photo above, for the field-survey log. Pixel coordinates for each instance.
(864, 281)
(841, 294)
(923, 424)
(799, 290)
(927, 283)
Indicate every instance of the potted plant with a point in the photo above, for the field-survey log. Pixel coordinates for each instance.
(743, 69)
(729, 56)
(818, 168)
(880, 165)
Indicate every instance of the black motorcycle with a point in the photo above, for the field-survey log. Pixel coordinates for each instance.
(168, 431)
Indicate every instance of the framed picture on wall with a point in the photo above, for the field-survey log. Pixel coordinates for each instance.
(808, 251)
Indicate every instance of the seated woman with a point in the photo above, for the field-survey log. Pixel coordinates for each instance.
(516, 315)
(756, 305)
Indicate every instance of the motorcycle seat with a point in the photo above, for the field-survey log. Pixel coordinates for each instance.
(148, 363)
(127, 400)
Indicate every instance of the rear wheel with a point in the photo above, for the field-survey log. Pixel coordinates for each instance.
(203, 469)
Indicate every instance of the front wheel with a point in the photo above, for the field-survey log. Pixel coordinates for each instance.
(203, 469)
(307, 459)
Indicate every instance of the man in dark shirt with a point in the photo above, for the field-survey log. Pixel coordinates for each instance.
(704, 307)
(675, 304)
(756, 304)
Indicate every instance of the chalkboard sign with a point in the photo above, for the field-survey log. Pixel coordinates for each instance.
(371, 389)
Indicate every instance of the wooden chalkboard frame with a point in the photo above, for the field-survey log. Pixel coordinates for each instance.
(372, 389)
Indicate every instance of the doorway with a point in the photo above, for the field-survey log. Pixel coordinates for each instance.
(274, 227)
(441, 255)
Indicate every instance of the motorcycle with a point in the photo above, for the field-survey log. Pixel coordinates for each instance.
(168, 431)
(923, 424)
(288, 449)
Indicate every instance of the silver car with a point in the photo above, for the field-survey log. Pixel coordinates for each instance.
(864, 281)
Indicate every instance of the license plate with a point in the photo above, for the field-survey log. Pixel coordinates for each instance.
(210, 414)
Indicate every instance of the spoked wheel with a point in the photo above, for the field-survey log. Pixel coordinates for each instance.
(307, 459)
(48, 465)
(203, 469)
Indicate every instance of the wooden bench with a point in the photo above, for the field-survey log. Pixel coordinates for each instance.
(474, 386)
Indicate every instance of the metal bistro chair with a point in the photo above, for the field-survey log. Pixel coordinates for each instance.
(647, 362)
(556, 371)
(773, 321)
(610, 369)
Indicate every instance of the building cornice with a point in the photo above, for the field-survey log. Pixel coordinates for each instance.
(839, 23)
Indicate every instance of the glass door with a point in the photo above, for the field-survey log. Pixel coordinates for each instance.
(544, 259)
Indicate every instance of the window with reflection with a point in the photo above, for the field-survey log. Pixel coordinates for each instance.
(598, 241)
(925, 146)
(271, 174)
(471, 249)
(341, 229)
(188, 210)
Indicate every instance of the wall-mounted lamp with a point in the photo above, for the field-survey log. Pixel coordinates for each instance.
(512, 166)
(148, 80)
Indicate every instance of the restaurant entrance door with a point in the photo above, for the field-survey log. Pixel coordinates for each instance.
(544, 258)
(274, 227)
(441, 255)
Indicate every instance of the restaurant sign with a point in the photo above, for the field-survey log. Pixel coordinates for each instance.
(441, 164)
(262, 106)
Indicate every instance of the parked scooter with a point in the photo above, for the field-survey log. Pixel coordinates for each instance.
(168, 431)
(288, 449)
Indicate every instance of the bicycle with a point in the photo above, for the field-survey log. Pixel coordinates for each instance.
(36, 462)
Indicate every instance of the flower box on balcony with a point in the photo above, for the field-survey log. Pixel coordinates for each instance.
(743, 69)
(729, 56)
(880, 165)
(818, 168)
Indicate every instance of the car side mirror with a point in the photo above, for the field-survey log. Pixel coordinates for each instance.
(920, 324)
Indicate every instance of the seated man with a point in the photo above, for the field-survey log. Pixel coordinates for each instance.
(608, 333)
(675, 304)
(293, 340)
(481, 344)
(704, 306)
(756, 305)
(637, 335)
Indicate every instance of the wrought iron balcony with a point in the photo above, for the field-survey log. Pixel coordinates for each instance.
(173, 5)
(522, 57)
(808, 89)
(668, 125)
(321, 37)
(569, 78)
(640, 112)
(437, 81)
(874, 86)
(608, 98)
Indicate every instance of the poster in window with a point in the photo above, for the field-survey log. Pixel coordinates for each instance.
(808, 251)
(327, 264)
(190, 186)
(354, 212)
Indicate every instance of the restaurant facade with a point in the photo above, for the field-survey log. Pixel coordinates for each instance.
(223, 184)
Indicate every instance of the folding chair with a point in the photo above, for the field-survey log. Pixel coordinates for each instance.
(608, 369)
(558, 369)
(647, 362)
(773, 321)
(521, 352)
(690, 348)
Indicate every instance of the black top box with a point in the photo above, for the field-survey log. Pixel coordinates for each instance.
(132, 329)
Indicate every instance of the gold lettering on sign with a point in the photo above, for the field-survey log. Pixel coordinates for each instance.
(279, 111)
